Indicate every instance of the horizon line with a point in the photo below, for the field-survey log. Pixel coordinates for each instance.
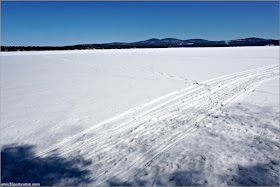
(129, 42)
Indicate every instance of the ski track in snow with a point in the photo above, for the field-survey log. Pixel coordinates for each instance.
(119, 146)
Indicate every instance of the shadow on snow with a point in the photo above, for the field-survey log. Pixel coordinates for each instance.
(19, 165)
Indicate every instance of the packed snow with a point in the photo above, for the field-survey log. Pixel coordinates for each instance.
(175, 116)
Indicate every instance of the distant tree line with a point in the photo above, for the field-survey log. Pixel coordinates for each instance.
(148, 44)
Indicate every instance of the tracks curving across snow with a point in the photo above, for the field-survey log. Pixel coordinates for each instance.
(122, 145)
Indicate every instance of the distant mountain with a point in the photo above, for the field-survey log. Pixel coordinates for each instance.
(154, 43)
(161, 42)
(197, 40)
(174, 42)
(250, 39)
(252, 42)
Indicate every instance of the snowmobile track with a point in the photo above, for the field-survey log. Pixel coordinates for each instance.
(120, 146)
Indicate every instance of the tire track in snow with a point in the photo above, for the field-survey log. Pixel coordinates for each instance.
(172, 114)
(118, 163)
(172, 140)
(167, 100)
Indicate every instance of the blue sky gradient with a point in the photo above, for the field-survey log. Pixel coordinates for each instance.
(68, 23)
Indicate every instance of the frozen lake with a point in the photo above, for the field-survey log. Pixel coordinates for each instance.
(174, 116)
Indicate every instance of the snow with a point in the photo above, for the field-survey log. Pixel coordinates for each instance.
(175, 116)
(239, 147)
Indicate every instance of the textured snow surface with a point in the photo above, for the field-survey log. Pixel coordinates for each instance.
(187, 116)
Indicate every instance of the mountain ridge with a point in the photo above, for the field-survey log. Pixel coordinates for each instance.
(154, 43)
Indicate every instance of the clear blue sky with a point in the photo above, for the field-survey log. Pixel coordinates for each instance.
(66, 23)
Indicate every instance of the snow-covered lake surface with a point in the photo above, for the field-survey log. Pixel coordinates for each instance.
(176, 116)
